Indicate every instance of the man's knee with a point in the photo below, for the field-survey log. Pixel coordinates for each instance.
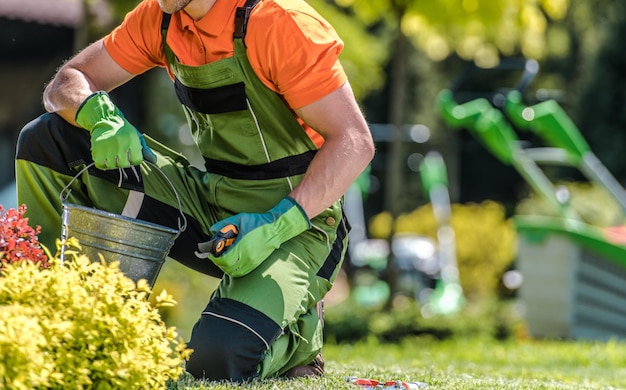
(32, 134)
(230, 341)
(49, 140)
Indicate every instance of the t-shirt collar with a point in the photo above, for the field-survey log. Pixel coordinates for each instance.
(215, 21)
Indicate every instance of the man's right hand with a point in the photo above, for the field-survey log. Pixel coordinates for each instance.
(115, 142)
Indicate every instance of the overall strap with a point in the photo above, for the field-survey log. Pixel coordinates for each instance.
(241, 18)
(165, 22)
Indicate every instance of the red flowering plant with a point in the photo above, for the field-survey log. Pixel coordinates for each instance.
(18, 240)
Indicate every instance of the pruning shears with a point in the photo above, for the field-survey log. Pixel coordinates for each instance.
(220, 241)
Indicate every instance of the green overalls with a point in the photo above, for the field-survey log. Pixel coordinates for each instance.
(256, 152)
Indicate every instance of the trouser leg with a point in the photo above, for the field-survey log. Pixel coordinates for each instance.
(50, 152)
(266, 322)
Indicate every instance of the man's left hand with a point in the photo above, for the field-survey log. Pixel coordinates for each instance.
(258, 235)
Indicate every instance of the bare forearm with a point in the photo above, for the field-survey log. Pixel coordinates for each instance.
(89, 71)
(66, 92)
(335, 167)
(348, 149)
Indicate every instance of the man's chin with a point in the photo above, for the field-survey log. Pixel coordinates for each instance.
(172, 6)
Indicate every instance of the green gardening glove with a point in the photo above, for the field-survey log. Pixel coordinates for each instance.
(115, 143)
(251, 238)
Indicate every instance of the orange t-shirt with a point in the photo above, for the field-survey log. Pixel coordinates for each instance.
(291, 48)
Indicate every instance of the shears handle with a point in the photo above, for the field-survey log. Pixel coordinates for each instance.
(222, 240)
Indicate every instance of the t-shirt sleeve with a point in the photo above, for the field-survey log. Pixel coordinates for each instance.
(136, 44)
(298, 55)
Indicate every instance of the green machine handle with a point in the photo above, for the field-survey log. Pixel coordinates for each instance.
(435, 182)
(433, 173)
(492, 128)
(549, 121)
(484, 121)
(460, 116)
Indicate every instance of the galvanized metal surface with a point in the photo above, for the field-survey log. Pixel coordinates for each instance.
(140, 247)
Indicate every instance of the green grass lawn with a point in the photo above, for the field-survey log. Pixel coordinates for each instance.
(463, 364)
(471, 359)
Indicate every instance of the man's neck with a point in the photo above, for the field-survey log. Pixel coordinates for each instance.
(198, 8)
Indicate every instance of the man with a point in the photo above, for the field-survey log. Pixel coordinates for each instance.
(282, 136)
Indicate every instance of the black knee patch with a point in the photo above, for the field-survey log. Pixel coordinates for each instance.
(230, 341)
(52, 142)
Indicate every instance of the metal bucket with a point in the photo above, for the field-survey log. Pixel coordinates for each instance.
(140, 247)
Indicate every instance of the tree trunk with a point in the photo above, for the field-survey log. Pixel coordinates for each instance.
(81, 32)
(395, 155)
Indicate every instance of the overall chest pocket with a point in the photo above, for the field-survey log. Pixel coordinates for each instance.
(219, 100)
(225, 107)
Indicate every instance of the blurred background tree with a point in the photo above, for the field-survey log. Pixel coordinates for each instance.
(474, 30)
(599, 102)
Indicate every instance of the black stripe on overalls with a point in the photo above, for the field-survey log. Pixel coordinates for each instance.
(333, 259)
(222, 99)
(284, 167)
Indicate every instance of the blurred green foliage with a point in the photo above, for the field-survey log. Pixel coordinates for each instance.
(592, 202)
(599, 106)
(477, 30)
(365, 52)
(348, 322)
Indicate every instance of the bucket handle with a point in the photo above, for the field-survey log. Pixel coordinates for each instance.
(182, 221)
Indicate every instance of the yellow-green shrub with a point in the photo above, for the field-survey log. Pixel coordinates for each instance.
(82, 324)
(592, 202)
(486, 241)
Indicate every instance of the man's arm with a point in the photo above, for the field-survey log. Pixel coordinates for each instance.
(78, 93)
(348, 149)
(91, 70)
